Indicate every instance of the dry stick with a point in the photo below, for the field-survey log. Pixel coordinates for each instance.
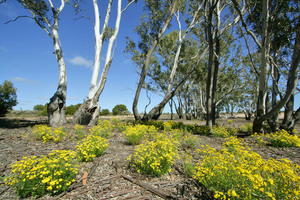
(150, 188)
(119, 194)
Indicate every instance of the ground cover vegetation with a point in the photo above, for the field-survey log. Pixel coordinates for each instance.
(233, 172)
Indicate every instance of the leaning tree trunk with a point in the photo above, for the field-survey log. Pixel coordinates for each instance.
(57, 106)
(147, 62)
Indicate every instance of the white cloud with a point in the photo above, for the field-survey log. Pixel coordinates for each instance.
(81, 61)
(25, 80)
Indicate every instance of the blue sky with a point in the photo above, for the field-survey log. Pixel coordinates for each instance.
(27, 59)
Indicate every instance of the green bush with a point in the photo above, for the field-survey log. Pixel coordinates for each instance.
(8, 97)
(104, 112)
(120, 109)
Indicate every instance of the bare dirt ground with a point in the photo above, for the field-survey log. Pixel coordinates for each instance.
(110, 175)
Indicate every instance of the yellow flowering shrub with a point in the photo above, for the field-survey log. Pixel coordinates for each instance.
(104, 129)
(91, 147)
(219, 131)
(236, 172)
(49, 174)
(45, 133)
(135, 134)
(283, 139)
(155, 157)
(79, 131)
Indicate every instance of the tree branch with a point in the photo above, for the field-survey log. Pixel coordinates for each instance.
(13, 20)
(128, 5)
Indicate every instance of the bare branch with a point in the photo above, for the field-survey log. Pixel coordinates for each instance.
(128, 5)
(88, 18)
(244, 23)
(13, 20)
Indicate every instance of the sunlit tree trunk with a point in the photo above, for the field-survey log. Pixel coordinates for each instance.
(89, 111)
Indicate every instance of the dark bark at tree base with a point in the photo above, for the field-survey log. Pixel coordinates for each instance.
(56, 110)
(87, 114)
(258, 126)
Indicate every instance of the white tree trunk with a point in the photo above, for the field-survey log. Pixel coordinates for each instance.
(89, 111)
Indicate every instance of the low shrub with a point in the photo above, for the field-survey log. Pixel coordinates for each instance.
(236, 172)
(155, 157)
(135, 134)
(91, 147)
(248, 128)
(283, 139)
(79, 131)
(51, 174)
(219, 131)
(189, 141)
(46, 134)
(104, 129)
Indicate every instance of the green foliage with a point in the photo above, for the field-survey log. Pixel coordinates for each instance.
(120, 110)
(236, 172)
(8, 97)
(104, 112)
(189, 141)
(248, 128)
(91, 147)
(51, 174)
(38, 107)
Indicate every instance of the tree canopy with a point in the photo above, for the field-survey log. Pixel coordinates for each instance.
(8, 97)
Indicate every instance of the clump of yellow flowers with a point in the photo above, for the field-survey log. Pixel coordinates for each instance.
(283, 139)
(104, 129)
(155, 157)
(278, 139)
(91, 147)
(219, 131)
(135, 134)
(48, 174)
(45, 133)
(236, 172)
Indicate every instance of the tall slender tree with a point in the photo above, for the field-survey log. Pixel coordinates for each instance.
(89, 110)
(46, 15)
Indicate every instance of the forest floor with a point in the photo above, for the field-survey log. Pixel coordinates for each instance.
(110, 175)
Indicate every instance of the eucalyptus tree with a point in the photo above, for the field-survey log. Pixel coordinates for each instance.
(278, 31)
(89, 110)
(46, 15)
(151, 31)
(214, 28)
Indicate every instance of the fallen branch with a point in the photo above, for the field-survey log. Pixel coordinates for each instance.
(150, 188)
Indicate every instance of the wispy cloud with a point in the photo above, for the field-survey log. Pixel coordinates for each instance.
(81, 61)
(25, 80)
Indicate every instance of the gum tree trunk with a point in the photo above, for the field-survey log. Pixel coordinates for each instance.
(89, 111)
(57, 106)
